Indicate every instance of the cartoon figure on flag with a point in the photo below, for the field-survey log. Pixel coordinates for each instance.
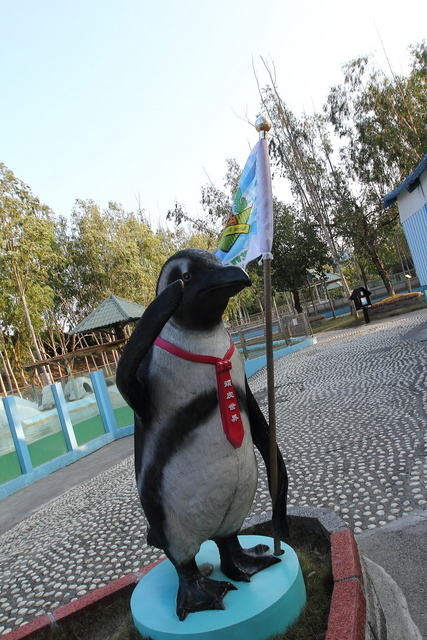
(248, 233)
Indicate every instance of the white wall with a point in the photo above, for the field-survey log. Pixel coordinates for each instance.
(409, 203)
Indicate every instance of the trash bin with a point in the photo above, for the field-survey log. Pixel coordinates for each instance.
(362, 300)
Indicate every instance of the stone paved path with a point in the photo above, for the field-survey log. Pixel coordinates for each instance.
(352, 415)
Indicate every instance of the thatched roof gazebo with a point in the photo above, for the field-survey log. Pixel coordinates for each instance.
(110, 317)
(114, 313)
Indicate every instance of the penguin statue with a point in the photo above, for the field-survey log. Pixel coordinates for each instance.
(196, 422)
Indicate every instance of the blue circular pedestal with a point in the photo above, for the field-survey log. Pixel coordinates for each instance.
(267, 605)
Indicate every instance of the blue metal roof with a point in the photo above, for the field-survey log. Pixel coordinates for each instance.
(411, 183)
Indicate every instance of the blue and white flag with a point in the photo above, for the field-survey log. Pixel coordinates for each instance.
(248, 233)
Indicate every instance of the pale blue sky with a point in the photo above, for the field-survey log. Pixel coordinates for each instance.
(126, 99)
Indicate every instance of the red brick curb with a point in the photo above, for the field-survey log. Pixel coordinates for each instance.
(30, 630)
(347, 615)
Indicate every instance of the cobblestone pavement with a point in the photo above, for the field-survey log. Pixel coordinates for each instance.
(351, 414)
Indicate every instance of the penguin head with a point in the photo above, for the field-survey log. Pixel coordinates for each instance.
(208, 286)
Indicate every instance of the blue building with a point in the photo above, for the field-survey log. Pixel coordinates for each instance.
(411, 198)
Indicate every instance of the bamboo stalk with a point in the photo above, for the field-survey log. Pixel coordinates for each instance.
(3, 388)
(6, 373)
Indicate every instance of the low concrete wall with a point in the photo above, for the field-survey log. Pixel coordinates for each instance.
(27, 471)
(255, 364)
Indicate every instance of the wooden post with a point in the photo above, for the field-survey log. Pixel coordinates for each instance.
(243, 343)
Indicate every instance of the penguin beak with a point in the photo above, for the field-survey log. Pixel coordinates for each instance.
(230, 279)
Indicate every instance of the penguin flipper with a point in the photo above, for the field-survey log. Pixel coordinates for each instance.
(261, 439)
(146, 331)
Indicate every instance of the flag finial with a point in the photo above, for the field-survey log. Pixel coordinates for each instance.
(262, 125)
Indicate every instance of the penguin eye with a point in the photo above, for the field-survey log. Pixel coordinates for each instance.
(186, 276)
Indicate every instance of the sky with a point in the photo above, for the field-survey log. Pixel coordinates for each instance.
(141, 102)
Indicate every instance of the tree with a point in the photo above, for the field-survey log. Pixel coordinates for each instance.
(27, 255)
(111, 252)
(367, 229)
(216, 205)
(297, 248)
(301, 151)
(380, 120)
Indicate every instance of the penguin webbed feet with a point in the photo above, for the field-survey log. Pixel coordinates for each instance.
(197, 592)
(241, 564)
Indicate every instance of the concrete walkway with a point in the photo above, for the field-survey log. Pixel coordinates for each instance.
(352, 416)
(399, 549)
(28, 501)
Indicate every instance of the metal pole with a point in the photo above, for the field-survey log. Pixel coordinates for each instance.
(263, 126)
(270, 391)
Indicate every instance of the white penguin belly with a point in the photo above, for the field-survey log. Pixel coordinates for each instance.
(208, 489)
(207, 485)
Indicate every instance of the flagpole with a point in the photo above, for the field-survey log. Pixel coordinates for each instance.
(263, 126)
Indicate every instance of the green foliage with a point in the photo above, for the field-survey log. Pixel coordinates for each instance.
(301, 150)
(179, 216)
(27, 257)
(380, 120)
(110, 252)
(54, 271)
(186, 239)
(216, 204)
(297, 248)
(380, 123)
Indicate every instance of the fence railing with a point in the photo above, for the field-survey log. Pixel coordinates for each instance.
(250, 338)
(74, 417)
(34, 443)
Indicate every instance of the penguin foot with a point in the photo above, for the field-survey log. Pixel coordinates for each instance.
(201, 594)
(241, 564)
(197, 592)
(246, 563)
(258, 550)
(206, 569)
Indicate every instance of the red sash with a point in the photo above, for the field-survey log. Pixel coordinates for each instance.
(228, 404)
